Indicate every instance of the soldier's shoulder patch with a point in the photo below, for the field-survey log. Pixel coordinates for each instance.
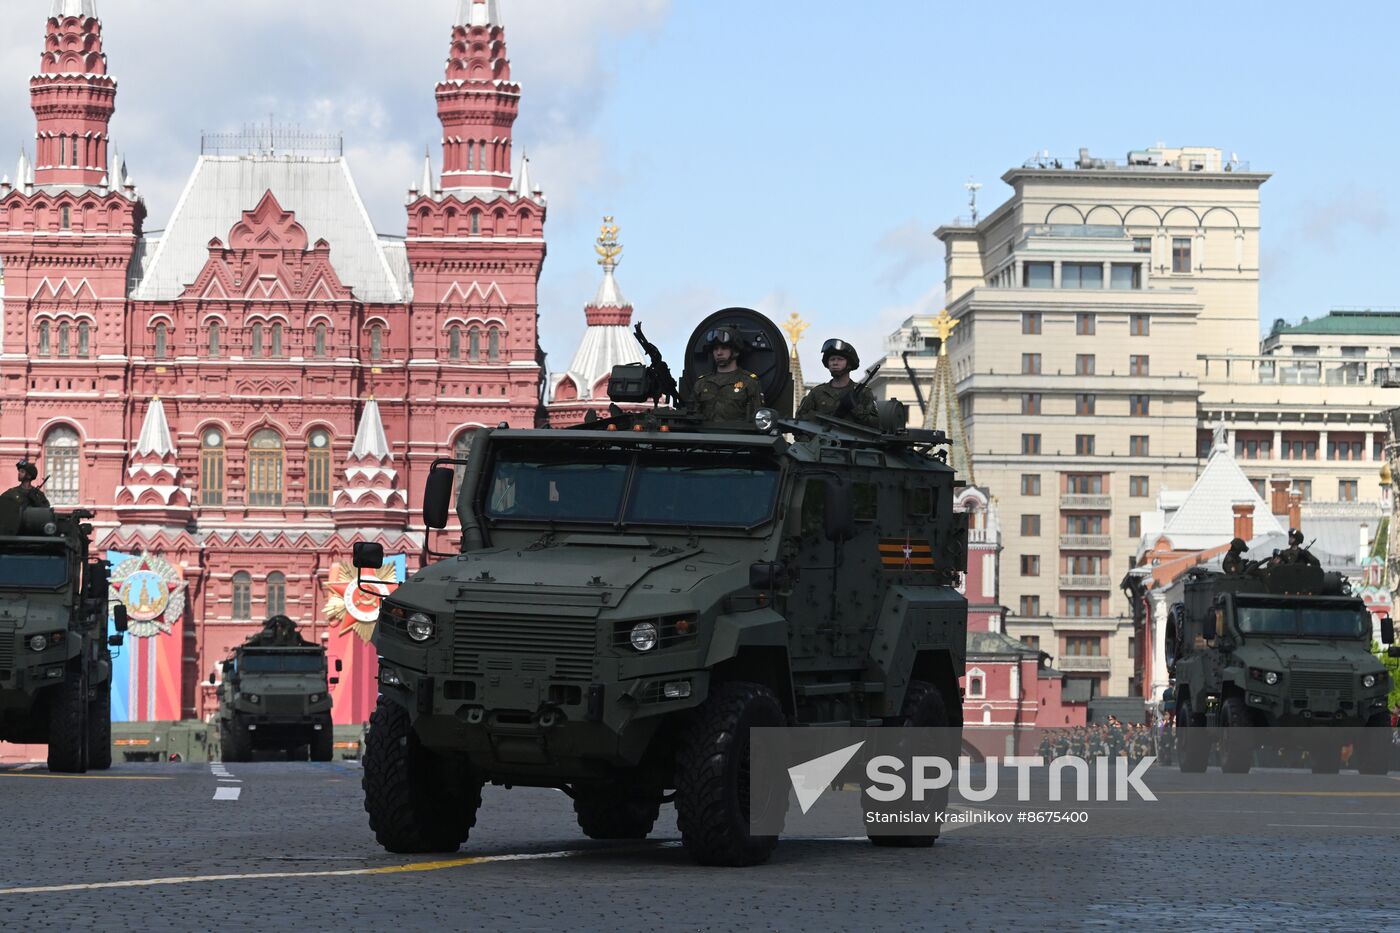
(753, 375)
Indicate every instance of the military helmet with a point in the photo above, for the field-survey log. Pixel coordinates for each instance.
(724, 337)
(1295, 537)
(27, 470)
(836, 347)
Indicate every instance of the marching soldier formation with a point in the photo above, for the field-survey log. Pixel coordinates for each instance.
(1134, 741)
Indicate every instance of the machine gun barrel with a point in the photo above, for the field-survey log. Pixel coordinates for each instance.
(848, 401)
(665, 382)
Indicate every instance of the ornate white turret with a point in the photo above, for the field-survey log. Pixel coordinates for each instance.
(478, 13)
(370, 478)
(84, 9)
(153, 473)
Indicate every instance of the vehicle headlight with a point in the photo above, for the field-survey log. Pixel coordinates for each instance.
(763, 419)
(644, 636)
(50, 528)
(1271, 678)
(420, 626)
(1369, 680)
(252, 698)
(40, 642)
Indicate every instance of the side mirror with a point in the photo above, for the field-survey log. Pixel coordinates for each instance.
(1393, 651)
(119, 619)
(337, 665)
(368, 555)
(839, 520)
(437, 497)
(114, 641)
(212, 676)
(768, 575)
(1387, 630)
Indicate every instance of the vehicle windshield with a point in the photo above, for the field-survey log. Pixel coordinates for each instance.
(720, 488)
(280, 664)
(1309, 621)
(31, 570)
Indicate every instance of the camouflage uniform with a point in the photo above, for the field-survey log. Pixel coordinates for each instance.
(824, 399)
(735, 396)
(29, 498)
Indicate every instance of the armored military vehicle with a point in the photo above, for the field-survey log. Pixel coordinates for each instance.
(276, 696)
(55, 658)
(634, 594)
(1276, 643)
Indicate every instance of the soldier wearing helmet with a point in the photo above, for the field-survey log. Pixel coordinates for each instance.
(829, 398)
(729, 393)
(25, 493)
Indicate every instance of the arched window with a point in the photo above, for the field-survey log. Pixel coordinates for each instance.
(461, 449)
(84, 338)
(211, 467)
(43, 349)
(255, 341)
(321, 340)
(65, 218)
(214, 338)
(318, 469)
(62, 151)
(277, 340)
(276, 594)
(471, 151)
(476, 222)
(65, 331)
(454, 343)
(493, 345)
(265, 462)
(61, 466)
(162, 335)
(376, 342)
(242, 596)
(474, 344)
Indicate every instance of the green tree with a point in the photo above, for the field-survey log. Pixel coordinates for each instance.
(1392, 665)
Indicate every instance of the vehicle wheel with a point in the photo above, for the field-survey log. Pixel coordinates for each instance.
(416, 801)
(68, 730)
(233, 743)
(1192, 745)
(713, 792)
(99, 716)
(923, 708)
(1326, 758)
(323, 743)
(1372, 755)
(616, 811)
(1237, 740)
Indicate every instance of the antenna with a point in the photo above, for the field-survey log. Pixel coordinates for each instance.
(972, 187)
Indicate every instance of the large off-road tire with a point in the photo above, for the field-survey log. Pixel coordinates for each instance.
(1192, 741)
(323, 742)
(234, 743)
(1326, 757)
(1372, 752)
(923, 709)
(1237, 739)
(616, 811)
(416, 801)
(99, 717)
(68, 725)
(713, 776)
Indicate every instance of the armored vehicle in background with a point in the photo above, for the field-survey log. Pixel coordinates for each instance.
(1277, 643)
(634, 594)
(276, 696)
(55, 658)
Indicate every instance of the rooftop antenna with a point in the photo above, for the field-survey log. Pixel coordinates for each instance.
(972, 187)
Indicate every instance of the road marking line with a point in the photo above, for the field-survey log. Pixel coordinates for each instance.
(1323, 825)
(84, 777)
(230, 780)
(338, 873)
(227, 793)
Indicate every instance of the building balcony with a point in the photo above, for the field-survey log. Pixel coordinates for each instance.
(1081, 663)
(1084, 581)
(1076, 500)
(1086, 542)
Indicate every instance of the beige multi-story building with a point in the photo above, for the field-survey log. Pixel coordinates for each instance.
(1084, 303)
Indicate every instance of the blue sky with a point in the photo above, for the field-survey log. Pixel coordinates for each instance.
(781, 154)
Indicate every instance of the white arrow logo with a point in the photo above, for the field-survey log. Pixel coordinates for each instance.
(811, 778)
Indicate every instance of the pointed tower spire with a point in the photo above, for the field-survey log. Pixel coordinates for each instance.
(795, 327)
(370, 493)
(370, 440)
(155, 432)
(477, 101)
(152, 492)
(943, 412)
(522, 180)
(426, 185)
(23, 170)
(73, 98)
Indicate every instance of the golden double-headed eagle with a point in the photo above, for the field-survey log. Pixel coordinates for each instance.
(608, 248)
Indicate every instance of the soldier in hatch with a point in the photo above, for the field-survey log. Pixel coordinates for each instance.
(1296, 553)
(729, 393)
(25, 492)
(841, 397)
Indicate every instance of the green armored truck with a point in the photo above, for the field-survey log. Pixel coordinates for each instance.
(276, 696)
(633, 595)
(55, 657)
(1276, 643)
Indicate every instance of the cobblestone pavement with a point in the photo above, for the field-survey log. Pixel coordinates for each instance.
(277, 846)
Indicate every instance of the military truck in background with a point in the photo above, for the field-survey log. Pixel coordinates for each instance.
(55, 657)
(275, 695)
(1276, 643)
(634, 594)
